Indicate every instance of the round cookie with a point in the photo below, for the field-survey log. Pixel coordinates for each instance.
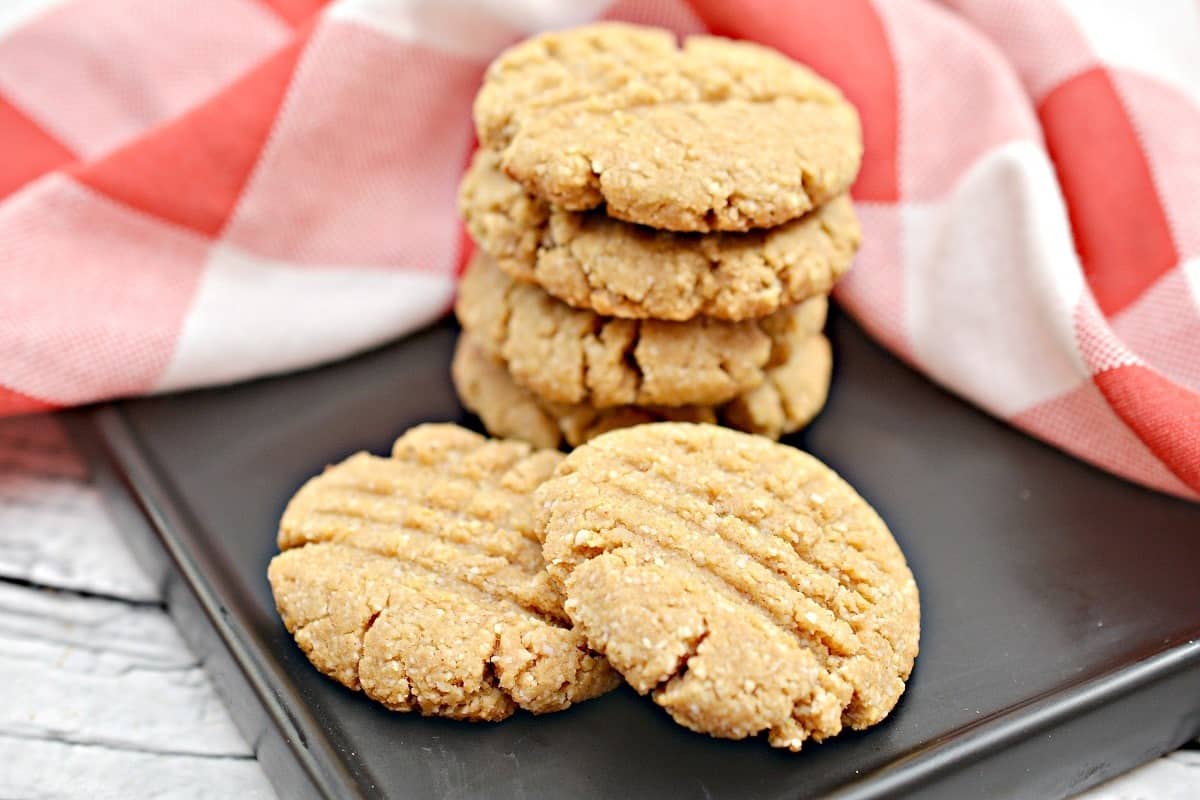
(570, 355)
(711, 135)
(419, 580)
(592, 261)
(792, 394)
(506, 409)
(739, 582)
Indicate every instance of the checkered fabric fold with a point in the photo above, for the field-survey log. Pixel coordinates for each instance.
(194, 193)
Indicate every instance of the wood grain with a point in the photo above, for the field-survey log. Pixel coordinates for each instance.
(53, 529)
(52, 769)
(101, 697)
(89, 671)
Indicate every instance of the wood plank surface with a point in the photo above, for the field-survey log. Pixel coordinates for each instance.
(100, 696)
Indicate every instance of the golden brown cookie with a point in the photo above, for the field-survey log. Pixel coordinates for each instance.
(419, 580)
(792, 394)
(592, 261)
(711, 135)
(506, 409)
(739, 582)
(569, 355)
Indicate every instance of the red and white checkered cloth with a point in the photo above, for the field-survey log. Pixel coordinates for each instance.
(193, 193)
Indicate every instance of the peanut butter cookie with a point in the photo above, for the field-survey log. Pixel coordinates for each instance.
(739, 582)
(573, 356)
(711, 135)
(419, 580)
(506, 409)
(592, 261)
(792, 394)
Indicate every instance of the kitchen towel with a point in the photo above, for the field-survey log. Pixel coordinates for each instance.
(196, 193)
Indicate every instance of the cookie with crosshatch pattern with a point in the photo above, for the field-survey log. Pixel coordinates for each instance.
(708, 134)
(418, 579)
(739, 582)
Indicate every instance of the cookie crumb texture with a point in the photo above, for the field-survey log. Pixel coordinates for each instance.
(568, 355)
(589, 260)
(419, 580)
(506, 409)
(739, 582)
(623, 116)
(792, 394)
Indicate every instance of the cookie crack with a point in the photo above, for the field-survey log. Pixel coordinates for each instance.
(505, 302)
(629, 358)
(524, 680)
(789, 274)
(585, 365)
(368, 624)
(727, 367)
(489, 676)
(808, 188)
(683, 663)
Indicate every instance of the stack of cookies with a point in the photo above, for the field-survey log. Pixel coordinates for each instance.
(657, 227)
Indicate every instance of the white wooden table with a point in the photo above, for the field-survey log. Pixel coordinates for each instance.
(99, 696)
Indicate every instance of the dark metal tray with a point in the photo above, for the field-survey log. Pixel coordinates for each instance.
(1061, 606)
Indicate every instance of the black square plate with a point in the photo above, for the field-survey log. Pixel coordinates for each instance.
(1061, 606)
